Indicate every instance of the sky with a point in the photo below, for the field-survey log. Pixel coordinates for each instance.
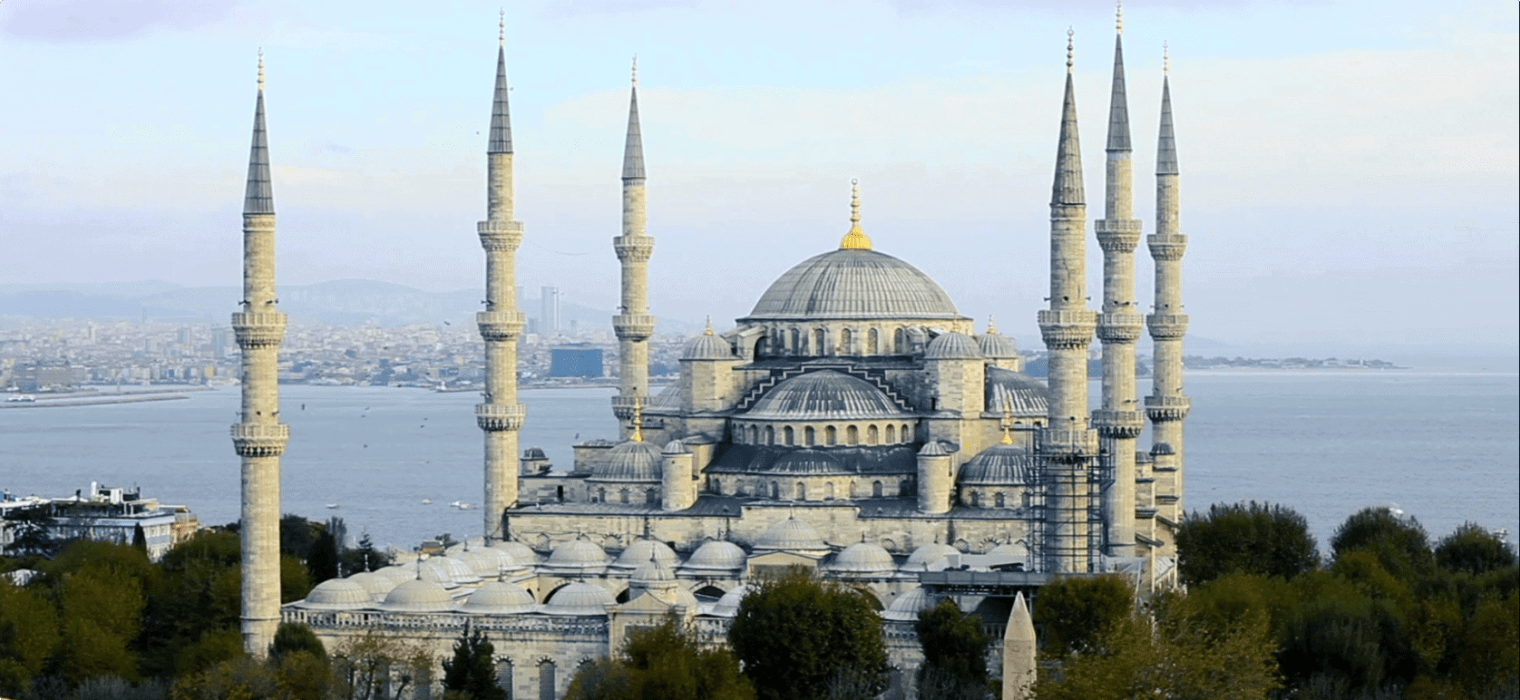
(1349, 169)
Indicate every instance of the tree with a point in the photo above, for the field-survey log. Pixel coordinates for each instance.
(794, 634)
(1076, 613)
(322, 563)
(664, 662)
(955, 653)
(292, 637)
(1251, 538)
(28, 636)
(1474, 550)
(365, 557)
(472, 671)
(1398, 541)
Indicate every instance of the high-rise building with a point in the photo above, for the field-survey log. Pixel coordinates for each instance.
(548, 313)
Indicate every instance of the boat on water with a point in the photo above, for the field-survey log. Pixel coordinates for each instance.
(427, 501)
(462, 505)
(332, 505)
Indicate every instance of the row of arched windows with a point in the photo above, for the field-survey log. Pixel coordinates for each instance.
(625, 495)
(826, 436)
(820, 490)
(977, 498)
(819, 341)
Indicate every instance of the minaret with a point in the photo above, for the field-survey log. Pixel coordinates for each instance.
(1067, 445)
(260, 437)
(1167, 406)
(1119, 421)
(500, 416)
(633, 325)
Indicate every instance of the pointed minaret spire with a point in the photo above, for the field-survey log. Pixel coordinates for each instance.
(1118, 104)
(633, 325)
(501, 111)
(259, 196)
(1068, 184)
(633, 144)
(1166, 146)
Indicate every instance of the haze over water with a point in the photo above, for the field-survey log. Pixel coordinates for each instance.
(1442, 446)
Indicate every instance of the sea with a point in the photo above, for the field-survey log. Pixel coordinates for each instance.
(1441, 446)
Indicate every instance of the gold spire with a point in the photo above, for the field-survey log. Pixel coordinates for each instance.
(1007, 423)
(1119, 16)
(261, 69)
(501, 38)
(638, 420)
(856, 239)
(1071, 50)
(1166, 59)
(709, 330)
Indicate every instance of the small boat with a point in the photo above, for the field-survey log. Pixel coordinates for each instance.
(332, 505)
(461, 505)
(427, 501)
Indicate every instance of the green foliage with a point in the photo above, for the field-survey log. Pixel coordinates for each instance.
(116, 688)
(291, 637)
(664, 662)
(28, 635)
(1251, 538)
(200, 594)
(322, 563)
(99, 591)
(1474, 550)
(472, 671)
(365, 557)
(1075, 613)
(294, 676)
(294, 581)
(214, 647)
(955, 652)
(794, 634)
(297, 535)
(1399, 542)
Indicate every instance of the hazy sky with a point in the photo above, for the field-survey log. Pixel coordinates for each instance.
(1349, 169)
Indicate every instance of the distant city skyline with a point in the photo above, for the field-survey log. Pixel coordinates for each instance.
(1350, 168)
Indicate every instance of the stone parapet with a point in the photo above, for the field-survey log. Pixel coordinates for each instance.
(633, 326)
(260, 439)
(634, 248)
(1058, 442)
(257, 329)
(625, 406)
(1119, 327)
(496, 234)
(500, 416)
(500, 325)
(1167, 408)
(1167, 326)
(1118, 235)
(1064, 330)
(1166, 247)
(1118, 424)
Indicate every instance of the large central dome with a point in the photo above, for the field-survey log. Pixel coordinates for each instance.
(854, 284)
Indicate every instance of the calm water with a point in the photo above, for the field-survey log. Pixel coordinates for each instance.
(1444, 447)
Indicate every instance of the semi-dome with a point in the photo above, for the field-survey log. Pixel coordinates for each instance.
(708, 346)
(634, 460)
(728, 605)
(337, 594)
(640, 552)
(854, 284)
(863, 558)
(924, 556)
(791, 535)
(376, 584)
(805, 463)
(418, 596)
(1010, 549)
(578, 556)
(1000, 465)
(908, 605)
(500, 598)
(716, 557)
(578, 599)
(1022, 395)
(997, 346)
(825, 395)
(952, 346)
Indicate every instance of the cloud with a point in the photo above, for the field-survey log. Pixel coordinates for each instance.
(95, 20)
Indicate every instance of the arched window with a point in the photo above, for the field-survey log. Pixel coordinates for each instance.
(852, 435)
(623, 495)
(846, 340)
(873, 341)
(1026, 499)
(546, 680)
(601, 494)
(828, 491)
(652, 496)
(775, 490)
(997, 500)
(905, 488)
(754, 435)
(796, 345)
(976, 499)
(770, 435)
(786, 434)
(871, 437)
(891, 434)
(876, 489)
(717, 486)
(807, 436)
(830, 436)
(906, 434)
(899, 342)
(801, 491)
(819, 348)
(504, 675)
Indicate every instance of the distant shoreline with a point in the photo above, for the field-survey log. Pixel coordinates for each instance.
(137, 397)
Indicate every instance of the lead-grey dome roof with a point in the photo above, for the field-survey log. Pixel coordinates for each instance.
(337, 594)
(953, 346)
(634, 460)
(1000, 465)
(500, 598)
(418, 596)
(708, 346)
(997, 346)
(1023, 395)
(857, 284)
(790, 535)
(578, 599)
(863, 558)
(715, 556)
(806, 462)
(825, 395)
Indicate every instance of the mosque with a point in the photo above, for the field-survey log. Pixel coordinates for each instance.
(854, 423)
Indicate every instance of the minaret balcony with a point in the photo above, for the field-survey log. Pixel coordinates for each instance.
(1118, 424)
(624, 407)
(1167, 408)
(636, 249)
(1167, 326)
(255, 329)
(1064, 330)
(1118, 235)
(633, 326)
(499, 325)
(500, 416)
(1120, 327)
(260, 439)
(499, 235)
(1056, 441)
(1166, 247)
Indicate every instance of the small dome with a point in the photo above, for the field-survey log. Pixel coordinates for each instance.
(577, 556)
(521, 554)
(500, 598)
(376, 584)
(924, 556)
(952, 346)
(996, 346)
(675, 447)
(418, 596)
(398, 572)
(791, 535)
(1000, 465)
(437, 573)
(716, 556)
(805, 462)
(459, 571)
(908, 605)
(935, 448)
(486, 562)
(1022, 395)
(1010, 549)
(337, 594)
(825, 395)
(708, 346)
(1163, 448)
(853, 284)
(864, 558)
(578, 599)
(640, 552)
(653, 573)
(728, 605)
(634, 460)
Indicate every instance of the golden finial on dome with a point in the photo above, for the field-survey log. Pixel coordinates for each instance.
(638, 420)
(856, 239)
(261, 69)
(991, 323)
(1007, 423)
